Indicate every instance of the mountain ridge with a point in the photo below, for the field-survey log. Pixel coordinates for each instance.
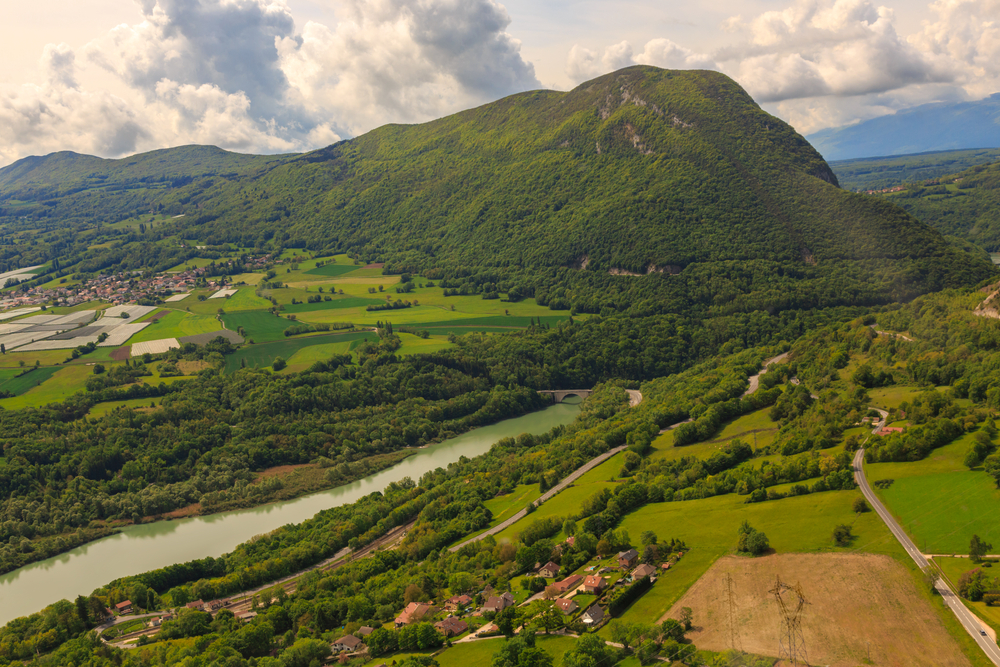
(634, 171)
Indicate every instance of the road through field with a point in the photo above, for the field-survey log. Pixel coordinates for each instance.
(968, 620)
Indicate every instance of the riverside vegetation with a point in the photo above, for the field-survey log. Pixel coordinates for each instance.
(791, 278)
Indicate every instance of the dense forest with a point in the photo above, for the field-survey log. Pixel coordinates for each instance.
(963, 204)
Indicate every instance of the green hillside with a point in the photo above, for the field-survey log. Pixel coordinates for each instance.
(876, 173)
(966, 204)
(643, 171)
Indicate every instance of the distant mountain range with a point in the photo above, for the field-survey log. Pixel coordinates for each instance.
(678, 176)
(929, 127)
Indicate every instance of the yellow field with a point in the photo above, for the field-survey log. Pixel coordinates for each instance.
(857, 603)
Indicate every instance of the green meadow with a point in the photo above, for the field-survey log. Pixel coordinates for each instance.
(262, 355)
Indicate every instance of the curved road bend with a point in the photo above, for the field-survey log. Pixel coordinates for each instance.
(968, 620)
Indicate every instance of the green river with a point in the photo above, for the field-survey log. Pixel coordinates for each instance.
(147, 547)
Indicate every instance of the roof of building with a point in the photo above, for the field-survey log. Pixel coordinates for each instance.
(569, 582)
(566, 604)
(594, 614)
(452, 625)
(413, 612)
(630, 554)
(595, 580)
(364, 630)
(643, 571)
(349, 641)
(122, 605)
(550, 566)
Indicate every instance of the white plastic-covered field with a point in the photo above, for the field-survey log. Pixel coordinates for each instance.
(10, 341)
(177, 297)
(154, 346)
(57, 344)
(73, 319)
(133, 311)
(18, 312)
(223, 293)
(122, 333)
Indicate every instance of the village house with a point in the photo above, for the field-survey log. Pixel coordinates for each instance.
(413, 613)
(364, 631)
(889, 430)
(593, 616)
(246, 616)
(594, 584)
(124, 607)
(628, 559)
(643, 571)
(550, 570)
(665, 566)
(568, 584)
(499, 603)
(566, 605)
(457, 602)
(451, 626)
(197, 604)
(348, 643)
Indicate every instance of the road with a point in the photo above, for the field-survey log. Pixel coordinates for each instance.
(572, 477)
(755, 379)
(968, 620)
(634, 399)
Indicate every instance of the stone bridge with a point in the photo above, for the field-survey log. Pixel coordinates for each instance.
(560, 394)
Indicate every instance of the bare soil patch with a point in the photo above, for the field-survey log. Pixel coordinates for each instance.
(856, 601)
(121, 353)
(376, 265)
(281, 471)
(192, 367)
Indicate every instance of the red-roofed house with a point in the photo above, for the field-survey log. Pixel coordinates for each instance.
(594, 584)
(569, 583)
(566, 605)
(413, 613)
(451, 626)
(550, 570)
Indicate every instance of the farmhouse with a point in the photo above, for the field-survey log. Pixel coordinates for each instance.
(499, 603)
(643, 571)
(550, 570)
(124, 607)
(451, 626)
(568, 584)
(457, 602)
(628, 559)
(413, 613)
(348, 643)
(364, 631)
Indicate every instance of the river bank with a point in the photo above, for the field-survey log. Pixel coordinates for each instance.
(144, 547)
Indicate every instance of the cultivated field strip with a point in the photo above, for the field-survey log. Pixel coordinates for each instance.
(223, 293)
(154, 346)
(10, 314)
(177, 297)
(122, 333)
(132, 311)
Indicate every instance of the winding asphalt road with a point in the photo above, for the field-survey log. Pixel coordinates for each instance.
(965, 617)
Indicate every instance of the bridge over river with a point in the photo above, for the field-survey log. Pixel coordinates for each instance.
(560, 394)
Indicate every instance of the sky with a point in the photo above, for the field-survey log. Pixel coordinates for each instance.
(116, 77)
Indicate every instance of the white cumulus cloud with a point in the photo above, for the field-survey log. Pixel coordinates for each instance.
(240, 75)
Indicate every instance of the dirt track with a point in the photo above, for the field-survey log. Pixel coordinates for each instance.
(856, 602)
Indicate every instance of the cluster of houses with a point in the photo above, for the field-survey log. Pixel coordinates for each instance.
(561, 592)
(122, 288)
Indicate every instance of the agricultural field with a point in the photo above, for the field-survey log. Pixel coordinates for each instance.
(102, 409)
(262, 355)
(709, 528)
(860, 605)
(177, 324)
(260, 325)
(939, 501)
(19, 385)
(56, 387)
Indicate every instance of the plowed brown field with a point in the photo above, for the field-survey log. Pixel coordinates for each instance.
(857, 603)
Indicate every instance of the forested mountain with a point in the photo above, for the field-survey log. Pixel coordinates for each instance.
(940, 126)
(642, 171)
(966, 204)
